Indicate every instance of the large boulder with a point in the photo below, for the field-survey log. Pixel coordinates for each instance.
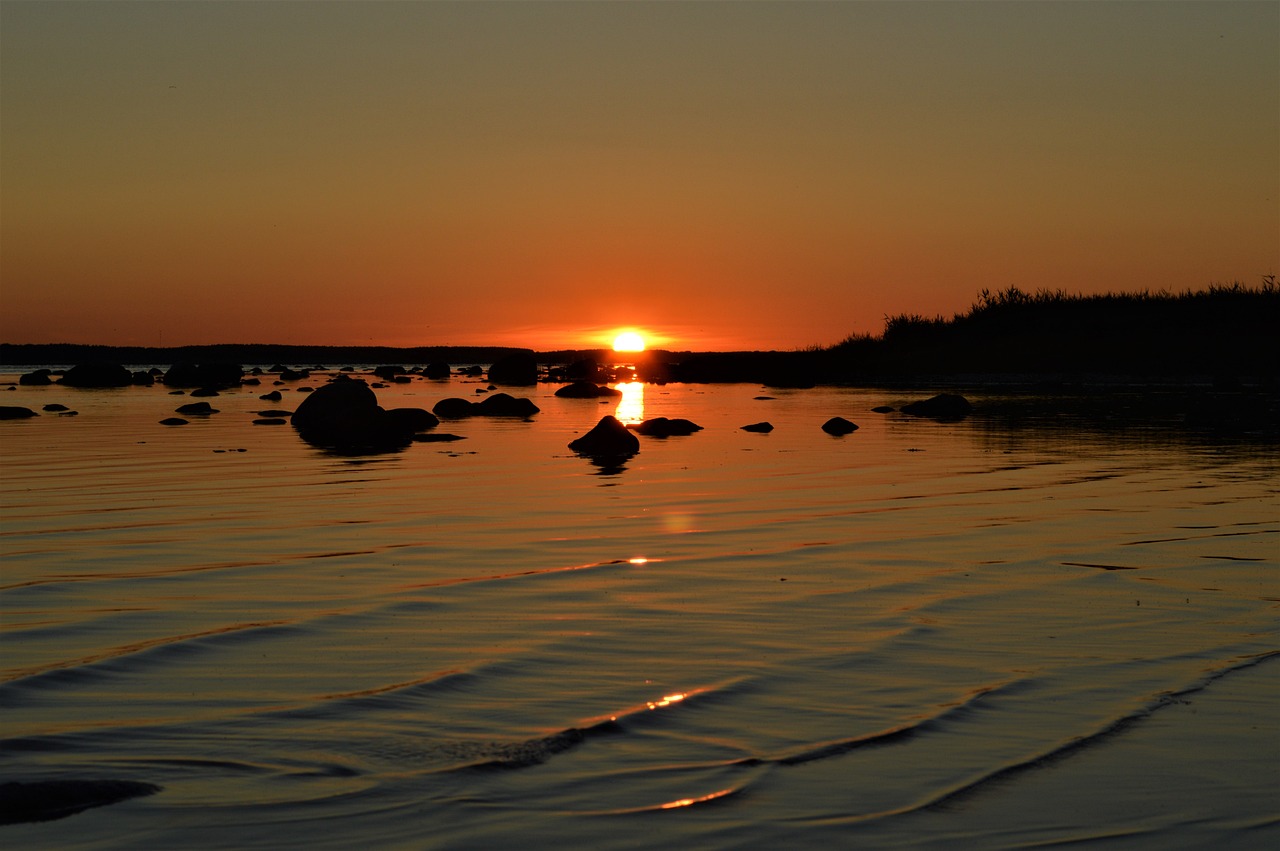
(39, 378)
(437, 371)
(344, 415)
(609, 437)
(209, 375)
(414, 419)
(519, 369)
(16, 412)
(453, 408)
(97, 375)
(944, 406)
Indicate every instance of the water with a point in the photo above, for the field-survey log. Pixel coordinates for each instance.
(921, 634)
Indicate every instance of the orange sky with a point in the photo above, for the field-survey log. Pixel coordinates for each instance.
(720, 175)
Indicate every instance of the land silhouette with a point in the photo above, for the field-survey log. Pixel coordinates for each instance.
(1224, 333)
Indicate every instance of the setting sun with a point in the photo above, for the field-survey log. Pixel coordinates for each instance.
(628, 341)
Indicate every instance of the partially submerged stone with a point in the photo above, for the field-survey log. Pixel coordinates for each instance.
(839, 426)
(608, 437)
(944, 406)
(663, 427)
(759, 428)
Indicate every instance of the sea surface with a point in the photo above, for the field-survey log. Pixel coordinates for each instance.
(986, 633)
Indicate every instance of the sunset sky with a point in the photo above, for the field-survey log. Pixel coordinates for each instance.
(717, 175)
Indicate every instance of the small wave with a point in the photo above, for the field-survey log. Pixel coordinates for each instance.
(1103, 733)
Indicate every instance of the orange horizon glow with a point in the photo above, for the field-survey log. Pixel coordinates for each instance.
(208, 176)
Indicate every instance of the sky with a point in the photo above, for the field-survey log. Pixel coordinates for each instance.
(716, 175)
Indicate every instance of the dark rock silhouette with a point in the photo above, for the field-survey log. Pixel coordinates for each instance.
(273, 396)
(97, 375)
(586, 390)
(609, 437)
(504, 405)
(839, 426)
(882, 409)
(204, 391)
(204, 375)
(16, 412)
(274, 413)
(944, 406)
(414, 419)
(142, 378)
(344, 416)
(472, 371)
(437, 371)
(46, 800)
(54, 406)
(497, 405)
(453, 408)
(270, 421)
(201, 409)
(388, 373)
(294, 374)
(432, 437)
(39, 378)
(663, 427)
(173, 421)
(519, 369)
(760, 428)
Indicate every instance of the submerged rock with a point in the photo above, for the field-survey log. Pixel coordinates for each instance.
(46, 800)
(882, 409)
(609, 437)
(54, 406)
(173, 421)
(759, 428)
(202, 409)
(944, 406)
(586, 390)
(839, 426)
(16, 412)
(663, 427)
(432, 437)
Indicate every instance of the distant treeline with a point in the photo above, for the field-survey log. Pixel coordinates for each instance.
(1222, 332)
(70, 353)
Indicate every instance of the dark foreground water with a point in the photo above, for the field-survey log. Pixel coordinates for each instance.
(921, 635)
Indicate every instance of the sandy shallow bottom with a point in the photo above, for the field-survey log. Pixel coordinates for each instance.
(921, 634)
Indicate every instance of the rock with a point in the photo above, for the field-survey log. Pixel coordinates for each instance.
(344, 415)
(273, 396)
(294, 374)
(586, 390)
(204, 375)
(388, 373)
(584, 369)
(839, 426)
(54, 406)
(250, 382)
(472, 371)
(437, 371)
(944, 406)
(760, 428)
(882, 409)
(204, 391)
(173, 421)
(765, 398)
(519, 369)
(275, 413)
(97, 375)
(453, 408)
(608, 438)
(432, 437)
(142, 378)
(663, 427)
(503, 405)
(69, 413)
(39, 378)
(270, 421)
(46, 800)
(201, 409)
(414, 419)
(16, 412)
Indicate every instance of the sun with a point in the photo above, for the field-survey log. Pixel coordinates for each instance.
(628, 341)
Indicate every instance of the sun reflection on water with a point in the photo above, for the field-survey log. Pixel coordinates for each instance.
(631, 405)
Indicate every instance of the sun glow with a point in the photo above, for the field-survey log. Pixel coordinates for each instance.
(628, 341)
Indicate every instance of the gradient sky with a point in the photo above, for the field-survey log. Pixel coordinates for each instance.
(720, 175)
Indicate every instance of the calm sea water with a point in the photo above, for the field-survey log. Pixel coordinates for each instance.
(922, 634)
